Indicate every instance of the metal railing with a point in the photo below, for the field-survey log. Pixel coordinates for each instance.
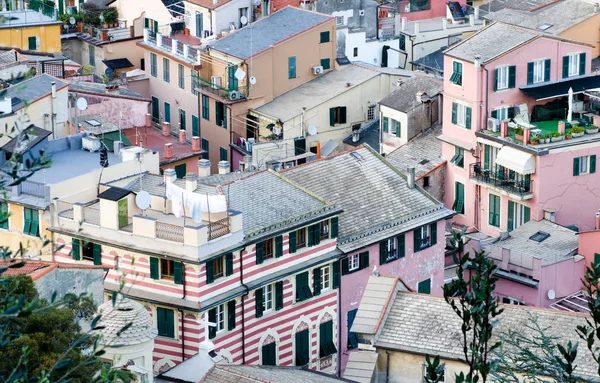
(220, 91)
(193, 53)
(32, 188)
(179, 47)
(169, 232)
(166, 42)
(218, 228)
(91, 214)
(64, 209)
(151, 37)
(502, 178)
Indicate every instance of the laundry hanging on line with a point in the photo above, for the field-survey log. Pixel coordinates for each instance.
(195, 202)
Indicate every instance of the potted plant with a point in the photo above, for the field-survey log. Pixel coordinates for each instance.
(533, 141)
(568, 136)
(577, 131)
(591, 129)
(519, 134)
(555, 137)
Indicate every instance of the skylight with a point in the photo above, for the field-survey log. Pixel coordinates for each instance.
(543, 27)
(540, 236)
(93, 122)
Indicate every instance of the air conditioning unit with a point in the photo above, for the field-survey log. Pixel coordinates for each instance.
(317, 70)
(234, 95)
(216, 81)
(493, 124)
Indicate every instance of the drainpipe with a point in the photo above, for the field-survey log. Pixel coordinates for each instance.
(52, 118)
(387, 367)
(476, 218)
(339, 310)
(243, 299)
(182, 334)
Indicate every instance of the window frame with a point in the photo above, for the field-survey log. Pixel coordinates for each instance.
(353, 262)
(218, 263)
(339, 21)
(301, 234)
(87, 247)
(459, 205)
(574, 63)
(268, 298)
(502, 82)
(170, 269)
(220, 315)
(371, 112)
(166, 70)
(461, 115)
(325, 277)
(153, 65)
(427, 236)
(497, 213)
(268, 243)
(292, 68)
(584, 165)
(206, 108)
(324, 229)
(539, 69)
(181, 76)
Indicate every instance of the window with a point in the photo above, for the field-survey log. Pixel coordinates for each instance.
(459, 157)
(153, 66)
(165, 322)
(194, 82)
(302, 348)
(324, 229)
(426, 181)
(220, 114)
(324, 37)
(220, 311)
(339, 20)
(395, 127)
(222, 154)
(267, 292)
(425, 236)
(302, 287)
(326, 345)
(352, 338)
(391, 249)
(166, 70)
(325, 277)
(456, 76)
(574, 64)
(217, 317)
(32, 43)
(195, 126)
(88, 250)
(459, 198)
(355, 52)
(92, 52)
(32, 222)
(205, 107)
(518, 214)
(3, 215)
(199, 25)
(505, 113)
(182, 119)
(424, 287)
(337, 115)
(584, 165)
(402, 45)
(148, 23)
(461, 115)
(301, 238)
(513, 301)
(180, 76)
(155, 109)
(166, 269)
(538, 71)
(292, 67)
(268, 248)
(181, 170)
(204, 145)
(355, 262)
(494, 210)
(167, 112)
(269, 354)
(268, 297)
(505, 77)
(326, 64)
(371, 113)
(219, 267)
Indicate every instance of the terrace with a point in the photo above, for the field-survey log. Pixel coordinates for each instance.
(172, 45)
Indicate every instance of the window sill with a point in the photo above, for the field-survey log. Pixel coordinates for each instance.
(168, 338)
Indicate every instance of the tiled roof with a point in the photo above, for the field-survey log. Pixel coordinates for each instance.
(518, 5)
(269, 31)
(433, 61)
(266, 374)
(424, 324)
(423, 153)
(26, 140)
(368, 134)
(404, 97)
(375, 197)
(208, 4)
(114, 318)
(220, 179)
(361, 366)
(378, 292)
(37, 269)
(32, 89)
(91, 87)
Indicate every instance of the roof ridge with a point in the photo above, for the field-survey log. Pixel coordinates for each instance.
(323, 158)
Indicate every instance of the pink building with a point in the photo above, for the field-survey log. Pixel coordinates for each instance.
(389, 224)
(513, 157)
(589, 244)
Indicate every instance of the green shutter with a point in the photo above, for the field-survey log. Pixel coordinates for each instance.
(547, 64)
(155, 110)
(302, 348)
(212, 318)
(402, 43)
(32, 43)
(495, 114)
(364, 260)
(433, 231)
(292, 67)
(352, 338)
(317, 233)
(260, 253)
(324, 37)
(593, 163)
(178, 271)
(383, 252)
(510, 112)
(195, 126)
(170, 323)
(468, 118)
(292, 240)
(335, 271)
(454, 112)
(146, 24)
(278, 246)
(97, 250)
(596, 259)
(167, 112)
(486, 157)
(155, 25)
(259, 299)
(4, 215)
(222, 154)
(424, 287)
(530, 73)
(565, 70)
(512, 76)
(459, 67)
(576, 166)
(511, 216)
(460, 198)
(491, 210)
(496, 77)
(210, 272)
(228, 264)
(331, 116)
(317, 281)
(342, 110)
(76, 249)
(526, 214)
(35, 222)
(278, 295)
(416, 240)
(326, 64)
(334, 227)
(232, 81)
(345, 266)
(269, 356)
(154, 268)
(311, 235)
(397, 127)
(401, 246)
(231, 315)
(581, 63)
(385, 124)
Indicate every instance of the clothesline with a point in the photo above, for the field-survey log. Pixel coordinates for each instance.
(195, 202)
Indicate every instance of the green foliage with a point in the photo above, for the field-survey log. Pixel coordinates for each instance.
(555, 134)
(434, 370)
(590, 332)
(577, 129)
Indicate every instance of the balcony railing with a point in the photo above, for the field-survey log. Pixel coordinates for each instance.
(502, 178)
(64, 209)
(208, 86)
(172, 46)
(218, 228)
(32, 188)
(169, 232)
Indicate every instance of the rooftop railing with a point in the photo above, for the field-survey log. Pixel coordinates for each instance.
(172, 46)
(502, 178)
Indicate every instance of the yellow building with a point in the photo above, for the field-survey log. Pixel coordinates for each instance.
(29, 30)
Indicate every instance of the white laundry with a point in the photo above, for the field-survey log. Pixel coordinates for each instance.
(217, 203)
(175, 194)
(194, 204)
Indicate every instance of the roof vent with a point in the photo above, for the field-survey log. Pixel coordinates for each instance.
(356, 155)
(540, 236)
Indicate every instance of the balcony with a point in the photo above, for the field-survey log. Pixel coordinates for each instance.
(236, 94)
(503, 180)
(172, 46)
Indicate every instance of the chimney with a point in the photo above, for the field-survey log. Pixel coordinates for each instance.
(196, 144)
(598, 220)
(182, 136)
(355, 135)
(190, 182)
(124, 78)
(526, 135)
(403, 24)
(203, 168)
(416, 27)
(420, 95)
(477, 61)
(166, 129)
(411, 178)
(476, 13)
(472, 21)
(503, 128)
(169, 150)
(561, 127)
(103, 35)
(444, 23)
(148, 119)
(170, 176)
(53, 89)
(550, 214)
(131, 31)
(223, 167)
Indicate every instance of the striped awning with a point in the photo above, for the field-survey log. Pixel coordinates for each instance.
(485, 141)
(514, 159)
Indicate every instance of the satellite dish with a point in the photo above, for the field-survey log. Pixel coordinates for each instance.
(143, 199)
(243, 20)
(551, 294)
(252, 80)
(72, 20)
(81, 103)
(312, 130)
(240, 74)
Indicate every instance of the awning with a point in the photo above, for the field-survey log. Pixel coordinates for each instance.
(456, 142)
(118, 63)
(561, 88)
(516, 160)
(485, 141)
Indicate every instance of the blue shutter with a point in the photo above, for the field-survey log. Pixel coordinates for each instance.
(178, 272)
(154, 268)
(565, 70)
(581, 63)
(547, 65)
(530, 73)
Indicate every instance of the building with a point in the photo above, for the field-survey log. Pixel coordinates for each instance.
(388, 224)
(160, 16)
(411, 109)
(31, 30)
(571, 19)
(368, 134)
(499, 174)
(414, 325)
(214, 19)
(588, 244)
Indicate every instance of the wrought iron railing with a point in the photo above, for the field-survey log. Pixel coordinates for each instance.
(502, 178)
(169, 232)
(218, 228)
(222, 92)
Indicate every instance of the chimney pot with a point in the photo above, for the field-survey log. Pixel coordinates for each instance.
(223, 167)
(170, 176)
(203, 168)
(355, 135)
(166, 129)
(191, 184)
(504, 129)
(148, 119)
(169, 150)
(526, 135)
(411, 178)
(131, 31)
(196, 144)
(550, 215)
(182, 136)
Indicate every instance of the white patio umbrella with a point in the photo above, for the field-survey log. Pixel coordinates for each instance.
(570, 114)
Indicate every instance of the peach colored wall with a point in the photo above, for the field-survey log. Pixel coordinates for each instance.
(589, 244)
(587, 31)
